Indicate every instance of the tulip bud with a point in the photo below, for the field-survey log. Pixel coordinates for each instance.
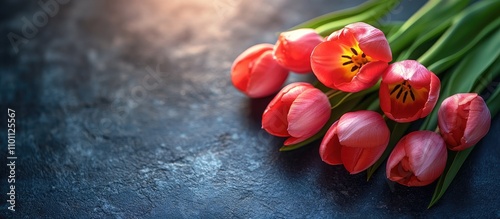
(351, 59)
(298, 111)
(464, 119)
(418, 159)
(256, 73)
(408, 91)
(293, 49)
(356, 140)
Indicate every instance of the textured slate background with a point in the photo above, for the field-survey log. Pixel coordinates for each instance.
(124, 109)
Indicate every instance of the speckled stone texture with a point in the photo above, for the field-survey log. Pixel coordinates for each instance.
(125, 109)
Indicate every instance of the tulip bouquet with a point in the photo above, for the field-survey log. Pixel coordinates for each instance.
(375, 79)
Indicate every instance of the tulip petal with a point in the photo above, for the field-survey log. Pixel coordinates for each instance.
(293, 140)
(308, 113)
(240, 72)
(330, 148)
(335, 35)
(418, 159)
(367, 76)
(342, 36)
(409, 70)
(266, 77)
(427, 155)
(327, 66)
(356, 160)
(449, 122)
(370, 73)
(394, 171)
(371, 40)
(292, 94)
(433, 95)
(274, 118)
(478, 123)
(363, 129)
(463, 119)
(293, 49)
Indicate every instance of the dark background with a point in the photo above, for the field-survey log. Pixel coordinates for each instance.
(125, 109)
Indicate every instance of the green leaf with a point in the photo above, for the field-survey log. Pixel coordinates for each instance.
(449, 174)
(341, 14)
(433, 12)
(475, 19)
(390, 28)
(471, 68)
(486, 79)
(493, 102)
(374, 105)
(369, 16)
(440, 65)
(424, 41)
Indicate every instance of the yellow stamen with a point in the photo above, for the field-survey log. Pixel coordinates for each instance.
(403, 89)
(355, 58)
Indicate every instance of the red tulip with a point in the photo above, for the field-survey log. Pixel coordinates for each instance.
(464, 119)
(256, 73)
(298, 111)
(351, 59)
(418, 159)
(408, 91)
(293, 49)
(356, 140)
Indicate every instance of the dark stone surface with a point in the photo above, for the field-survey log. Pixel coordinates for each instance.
(124, 109)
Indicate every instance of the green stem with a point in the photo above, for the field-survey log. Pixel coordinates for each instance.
(332, 93)
(342, 100)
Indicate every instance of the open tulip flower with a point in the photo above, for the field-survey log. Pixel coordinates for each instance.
(351, 59)
(463, 120)
(298, 111)
(418, 159)
(408, 91)
(356, 140)
(256, 73)
(293, 49)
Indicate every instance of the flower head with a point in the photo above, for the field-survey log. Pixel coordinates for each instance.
(293, 49)
(356, 140)
(351, 59)
(418, 159)
(256, 73)
(408, 91)
(298, 111)
(464, 119)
